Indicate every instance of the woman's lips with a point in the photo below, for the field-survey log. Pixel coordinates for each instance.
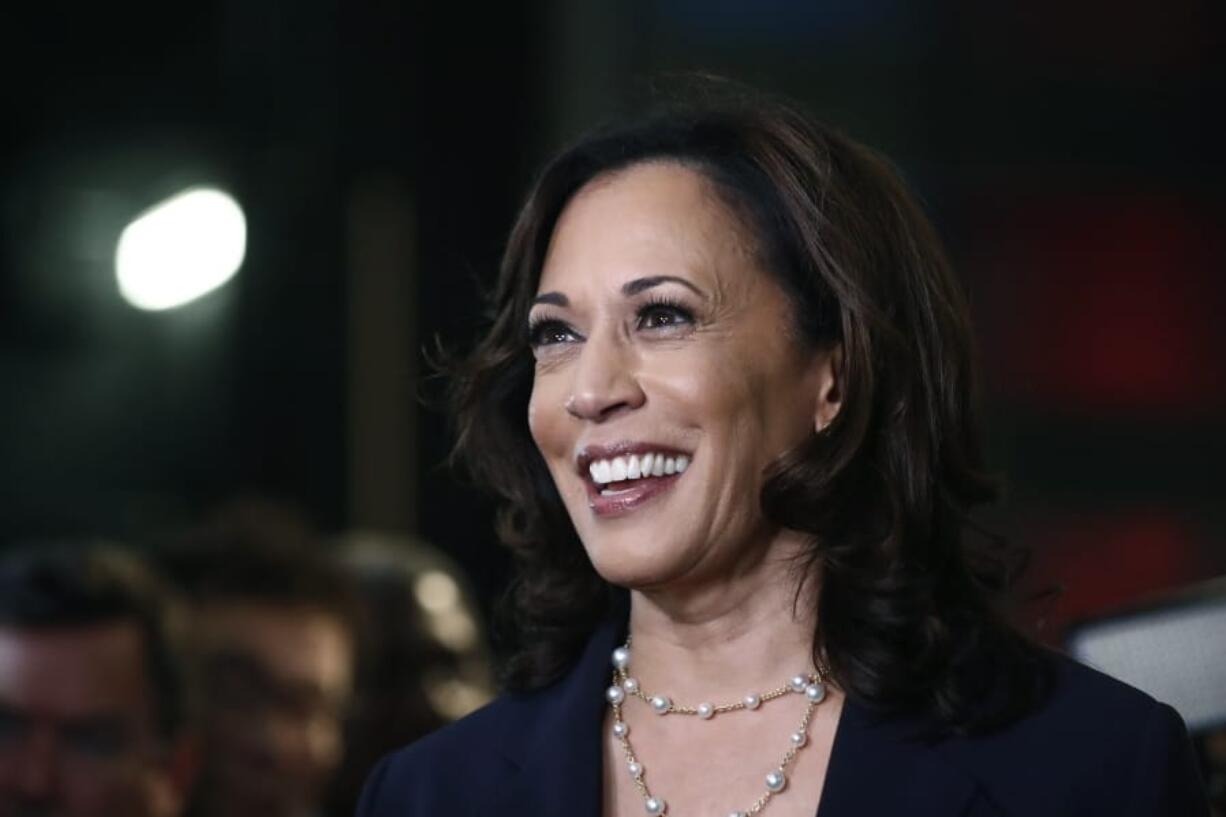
(621, 477)
(620, 498)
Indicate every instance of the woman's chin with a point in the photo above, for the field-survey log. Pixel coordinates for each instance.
(634, 571)
(644, 565)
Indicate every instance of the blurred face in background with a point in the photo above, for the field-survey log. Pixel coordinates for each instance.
(78, 736)
(277, 681)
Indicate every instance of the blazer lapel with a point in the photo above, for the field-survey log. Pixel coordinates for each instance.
(878, 767)
(554, 742)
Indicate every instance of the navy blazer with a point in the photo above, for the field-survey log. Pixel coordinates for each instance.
(1096, 747)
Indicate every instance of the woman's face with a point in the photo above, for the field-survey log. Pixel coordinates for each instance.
(668, 376)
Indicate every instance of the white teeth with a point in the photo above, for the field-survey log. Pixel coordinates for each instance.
(619, 469)
(634, 466)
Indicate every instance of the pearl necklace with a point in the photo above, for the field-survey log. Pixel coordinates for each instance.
(811, 685)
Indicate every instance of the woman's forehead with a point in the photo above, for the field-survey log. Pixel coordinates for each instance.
(652, 219)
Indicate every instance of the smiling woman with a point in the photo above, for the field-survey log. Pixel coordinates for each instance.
(727, 399)
(695, 367)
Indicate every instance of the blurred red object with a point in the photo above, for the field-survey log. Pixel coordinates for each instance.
(1106, 561)
(1109, 306)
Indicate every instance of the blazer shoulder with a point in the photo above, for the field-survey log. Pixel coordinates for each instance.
(493, 761)
(1095, 745)
(455, 769)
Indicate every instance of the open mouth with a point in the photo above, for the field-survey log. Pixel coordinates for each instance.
(619, 483)
(620, 474)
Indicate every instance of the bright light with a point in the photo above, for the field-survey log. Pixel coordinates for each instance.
(180, 249)
(436, 591)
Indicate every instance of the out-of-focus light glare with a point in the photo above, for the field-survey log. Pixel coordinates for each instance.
(453, 698)
(181, 249)
(455, 629)
(436, 591)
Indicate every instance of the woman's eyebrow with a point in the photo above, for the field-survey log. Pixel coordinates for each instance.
(640, 284)
(555, 298)
(628, 289)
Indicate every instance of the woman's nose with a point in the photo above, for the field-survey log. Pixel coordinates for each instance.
(605, 381)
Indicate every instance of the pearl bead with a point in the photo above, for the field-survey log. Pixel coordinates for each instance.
(736, 814)
(798, 683)
(621, 657)
(775, 781)
(631, 685)
(815, 692)
(799, 739)
(752, 701)
(661, 704)
(705, 711)
(654, 806)
(620, 729)
(615, 695)
(635, 769)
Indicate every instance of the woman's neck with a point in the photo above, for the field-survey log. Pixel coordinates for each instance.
(748, 631)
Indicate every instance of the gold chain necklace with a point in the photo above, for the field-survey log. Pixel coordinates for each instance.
(811, 685)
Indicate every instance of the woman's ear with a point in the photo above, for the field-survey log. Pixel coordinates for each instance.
(829, 387)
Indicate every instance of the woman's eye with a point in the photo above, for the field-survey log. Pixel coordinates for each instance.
(549, 333)
(664, 316)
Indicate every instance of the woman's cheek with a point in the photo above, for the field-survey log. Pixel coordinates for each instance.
(532, 420)
(537, 425)
(702, 380)
(544, 419)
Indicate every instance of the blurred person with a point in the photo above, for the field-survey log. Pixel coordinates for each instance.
(92, 694)
(727, 398)
(424, 659)
(271, 621)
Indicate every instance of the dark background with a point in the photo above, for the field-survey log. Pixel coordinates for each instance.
(1069, 152)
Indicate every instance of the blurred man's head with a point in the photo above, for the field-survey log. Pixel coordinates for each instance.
(91, 699)
(274, 638)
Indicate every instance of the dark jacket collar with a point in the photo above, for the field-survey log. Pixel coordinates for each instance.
(554, 741)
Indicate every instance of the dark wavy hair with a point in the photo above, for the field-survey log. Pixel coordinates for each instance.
(908, 619)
